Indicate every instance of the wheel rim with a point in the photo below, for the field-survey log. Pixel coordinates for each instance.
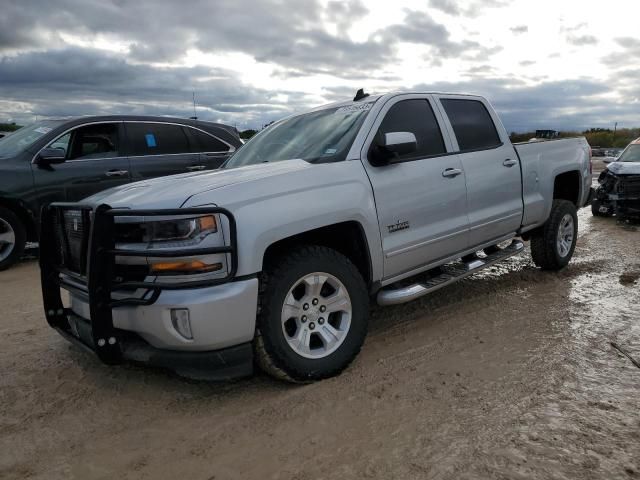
(565, 235)
(316, 315)
(7, 239)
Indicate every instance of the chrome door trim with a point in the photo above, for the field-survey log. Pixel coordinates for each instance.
(231, 147)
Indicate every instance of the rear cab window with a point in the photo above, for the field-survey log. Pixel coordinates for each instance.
(472, 124)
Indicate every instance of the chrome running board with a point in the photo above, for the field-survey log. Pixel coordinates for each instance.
(451, 273)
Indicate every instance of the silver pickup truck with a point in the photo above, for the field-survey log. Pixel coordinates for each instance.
(275, 258)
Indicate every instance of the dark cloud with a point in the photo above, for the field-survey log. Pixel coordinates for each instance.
(447, 6)
(472, 9)
(76, 81)
(41, 74)
(628, 54)
(343, 14)
(420, 28)
(285, 32)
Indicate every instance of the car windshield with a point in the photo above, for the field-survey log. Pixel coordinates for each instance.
(321, 136)
(631, 154)
(24, 137)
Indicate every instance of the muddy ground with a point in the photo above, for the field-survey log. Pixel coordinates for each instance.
(509, 375)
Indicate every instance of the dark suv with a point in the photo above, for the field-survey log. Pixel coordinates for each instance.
(70, 159)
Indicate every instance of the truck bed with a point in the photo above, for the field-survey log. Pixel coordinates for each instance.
(540, 163)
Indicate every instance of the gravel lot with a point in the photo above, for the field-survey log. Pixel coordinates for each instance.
(508, 374)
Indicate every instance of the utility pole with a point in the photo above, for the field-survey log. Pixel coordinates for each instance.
(615, 128)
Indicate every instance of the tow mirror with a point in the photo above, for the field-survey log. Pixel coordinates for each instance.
(50, 155)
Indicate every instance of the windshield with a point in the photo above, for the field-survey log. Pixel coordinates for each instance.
(24, 137)
(320, 136)
(631, 154)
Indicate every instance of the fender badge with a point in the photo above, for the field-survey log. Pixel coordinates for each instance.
(396, 227)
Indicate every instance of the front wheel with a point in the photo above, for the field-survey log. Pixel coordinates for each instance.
(552, 246)
(13, 238)
(313, 317)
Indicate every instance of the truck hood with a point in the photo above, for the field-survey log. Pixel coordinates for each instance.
(176, 190)
(624, 168)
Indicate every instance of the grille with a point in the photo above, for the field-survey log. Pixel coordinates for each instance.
(71, 231)
(629, 185)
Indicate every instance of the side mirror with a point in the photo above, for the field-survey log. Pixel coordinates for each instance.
(391, 146)
(400, 143)
(50, 155)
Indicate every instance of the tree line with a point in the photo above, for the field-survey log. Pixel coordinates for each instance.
(597, 137)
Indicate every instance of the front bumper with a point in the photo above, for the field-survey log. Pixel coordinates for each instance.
(217, 365)
(123, 319)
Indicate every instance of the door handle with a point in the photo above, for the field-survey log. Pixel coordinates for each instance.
(195, 168)
(451, 172)
(117, 173)
(509, 163)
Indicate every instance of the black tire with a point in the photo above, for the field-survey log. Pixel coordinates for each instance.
(595, 209)
(11, 219)
(273, 353)
(544, 242)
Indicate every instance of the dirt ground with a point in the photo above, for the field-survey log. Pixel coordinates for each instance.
(508, 375)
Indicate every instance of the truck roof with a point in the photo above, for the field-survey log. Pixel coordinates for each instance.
(375, 98)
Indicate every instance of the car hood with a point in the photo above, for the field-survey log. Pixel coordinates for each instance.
(176, 190)
(624, 168)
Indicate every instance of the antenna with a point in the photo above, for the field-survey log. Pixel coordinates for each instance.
(360, 95)
(195, 117)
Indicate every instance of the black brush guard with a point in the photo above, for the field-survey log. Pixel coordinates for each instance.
(97, 264)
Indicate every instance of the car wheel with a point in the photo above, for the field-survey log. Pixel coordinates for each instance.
(13, 238)
(314, 310)
(553, 244)
(600, 210)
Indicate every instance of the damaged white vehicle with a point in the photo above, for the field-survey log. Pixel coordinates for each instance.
(619, 190)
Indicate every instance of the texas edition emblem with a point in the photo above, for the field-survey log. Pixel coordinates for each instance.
(396, 227)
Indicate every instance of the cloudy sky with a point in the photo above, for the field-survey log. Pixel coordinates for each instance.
(559, 64)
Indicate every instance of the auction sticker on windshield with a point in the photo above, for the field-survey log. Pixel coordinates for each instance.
(358, 107)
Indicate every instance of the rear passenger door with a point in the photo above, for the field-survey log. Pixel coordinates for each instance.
(158, 149)
(421, 198)
(212, 151)
(491, 166)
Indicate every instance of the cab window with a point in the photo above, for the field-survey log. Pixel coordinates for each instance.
(415, 116)
(472, 124)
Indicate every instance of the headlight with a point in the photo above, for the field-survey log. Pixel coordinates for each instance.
(180, 232)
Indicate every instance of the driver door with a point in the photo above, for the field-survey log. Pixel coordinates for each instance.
(421, 197)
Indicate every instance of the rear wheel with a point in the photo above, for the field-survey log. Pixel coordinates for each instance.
(13, 238)
(313, 317)
(553, 244)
